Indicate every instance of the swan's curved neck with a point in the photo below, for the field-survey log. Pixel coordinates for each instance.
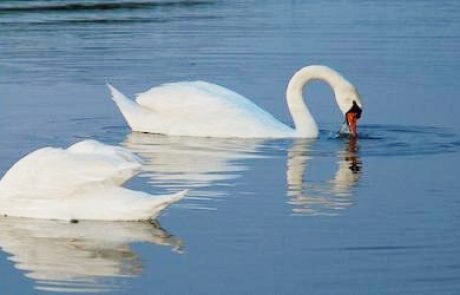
(305, 125)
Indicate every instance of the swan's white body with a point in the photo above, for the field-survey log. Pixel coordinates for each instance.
(208, 110)
(81, 182)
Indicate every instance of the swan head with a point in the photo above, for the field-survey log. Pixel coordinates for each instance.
(352, 117)
(350, 104)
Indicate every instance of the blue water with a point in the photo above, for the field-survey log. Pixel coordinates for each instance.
(329, 216)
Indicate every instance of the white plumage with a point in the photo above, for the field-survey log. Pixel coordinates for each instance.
(197, 108)
(80, 182)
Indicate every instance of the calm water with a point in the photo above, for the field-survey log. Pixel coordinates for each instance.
(330, 216)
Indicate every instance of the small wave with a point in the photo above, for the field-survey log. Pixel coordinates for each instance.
(106, 21)
(97, 6)
(341, 136)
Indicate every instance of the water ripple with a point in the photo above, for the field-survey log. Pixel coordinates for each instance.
(50, 6)
(400, 140)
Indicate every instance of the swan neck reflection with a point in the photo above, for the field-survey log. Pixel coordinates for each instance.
(326, 197)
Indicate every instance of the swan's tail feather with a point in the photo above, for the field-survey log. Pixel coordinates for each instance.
(170, 199)
(129, 108)
(161, 202)
(119, 98)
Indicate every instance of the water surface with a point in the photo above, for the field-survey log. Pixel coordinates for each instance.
(329, 216)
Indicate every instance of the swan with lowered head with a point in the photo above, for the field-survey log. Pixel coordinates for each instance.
(80, 182)
(208, 110)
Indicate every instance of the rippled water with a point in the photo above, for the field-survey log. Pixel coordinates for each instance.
(378, 215)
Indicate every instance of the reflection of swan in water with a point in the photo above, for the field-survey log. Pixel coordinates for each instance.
(82, 257)
(173, 163)
(209, 167)
(324, 198)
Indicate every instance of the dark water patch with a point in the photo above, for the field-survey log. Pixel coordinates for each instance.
(430, 280)
(97, 6)
(88, 119)
(102, 21)
(453, 266)
(47, 23)
(344, 136)
(382, 248)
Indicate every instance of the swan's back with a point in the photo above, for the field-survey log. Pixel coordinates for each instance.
(54, 172)
(189, 95)
(200, 108)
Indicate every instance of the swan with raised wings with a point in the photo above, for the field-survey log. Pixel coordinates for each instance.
(80, 182)
(204, 109)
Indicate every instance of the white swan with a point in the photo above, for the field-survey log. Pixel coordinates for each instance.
(208, 110)
(81, 182)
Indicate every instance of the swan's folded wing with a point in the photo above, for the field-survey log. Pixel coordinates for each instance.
(204, 108)
(192, 97)
(54, 172)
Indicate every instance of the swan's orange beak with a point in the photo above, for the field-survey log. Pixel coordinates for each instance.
(352, 119)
